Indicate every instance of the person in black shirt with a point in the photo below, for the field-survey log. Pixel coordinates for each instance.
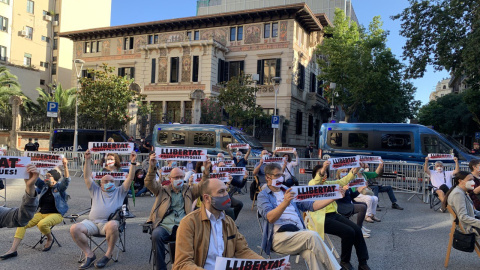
(30, 146)
(37, 145)
(476, 148)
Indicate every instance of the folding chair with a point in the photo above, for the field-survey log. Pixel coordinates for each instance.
(456, 223)
(259, 188)
(433, 199)
(42, 237)
(308, 219)
(170, 250)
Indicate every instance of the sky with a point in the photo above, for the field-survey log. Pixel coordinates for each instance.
(128, 12)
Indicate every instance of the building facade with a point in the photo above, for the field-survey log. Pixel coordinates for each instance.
(178, 62)
(29, 41)
(441, 89)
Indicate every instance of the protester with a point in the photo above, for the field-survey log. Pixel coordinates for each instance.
(37, 145)
(236, 205)
(440, 178)
(476, 148)
(289, 169)
(138, 184)
(474, 194)
(329, 221)
(375, 187)
(461, 204)
(283, 227)
(106, 199)
(240, 161)
(112, 164)
(19, 217)
(143, 147)
(210, 227)
(189, 166)
(30, 146)
(259, 170)
(52, 205)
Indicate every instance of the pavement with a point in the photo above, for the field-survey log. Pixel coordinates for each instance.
(415, 238)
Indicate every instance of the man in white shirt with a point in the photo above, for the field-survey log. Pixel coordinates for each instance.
(441, 179)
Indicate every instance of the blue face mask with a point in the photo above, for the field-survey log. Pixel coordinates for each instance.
(109, 187)
(174, 164)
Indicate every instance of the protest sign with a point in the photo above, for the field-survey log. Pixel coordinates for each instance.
(357, 182)
(285, 149)
(343, 163)
(14, 167)
(233, 170)
(44, 160)
(117, 176)
(273, 160)
(197, 178)
(124, 165)
(239, 146)
(223, 176)
(370, 159)
(223, 263)
(440, 156)
(181, 154)
(228, 163)
(111, 147)
(315, 193)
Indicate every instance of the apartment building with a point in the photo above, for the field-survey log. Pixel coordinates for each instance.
(29, 41)
(441, 89)
(179, 61)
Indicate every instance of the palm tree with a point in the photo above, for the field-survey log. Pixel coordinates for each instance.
(7, 79)
(64, 97)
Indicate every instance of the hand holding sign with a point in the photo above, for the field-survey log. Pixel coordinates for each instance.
(153, 160)
(440, 156)
(32, 178)
(288, 196)
(88, 155)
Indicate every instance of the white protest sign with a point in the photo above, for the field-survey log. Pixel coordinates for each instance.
(286, 149)
(440, 156)
(197, 178)
(370, 159)
(232, 170)
(315, 193)
(14, 167)
(273, 160)
(111, 147)
(117, 176)
(181, 154)
(44, 160)
(343, 163)
(228, 163)
(238, 146)
(124, 165)
(233, 264)
(357, 182)
(221, 176)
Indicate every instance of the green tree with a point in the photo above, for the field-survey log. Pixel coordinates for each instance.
(239, 101)
(7, 79)
(65, 99)
(105, 97)
(369, 78)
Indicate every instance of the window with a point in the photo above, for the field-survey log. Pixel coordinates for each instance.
(268, 69)
(391, 141)
(44, 64)
(127, 71)
(189, 35)
(235, 68)
(269, 111)
(55, 43)
(444, 87)
(93, 47)
(174, 67)
(54, 59)
(5, 1)
(86, 74)
(299, 123)
(206, 139)
(196, 35)
(178, 138)
(266, 30)
(99, 46)
(195, 67)
(240, 33)
(29, 32)
(274, 29)
(233, 31)
(162, 137)
(226, 140)
(54, 69)
(358, 140)
(152, 39)
(27, 59)
(313, 80)
(335, 139)
(433, 144)
(154, 68)
(3, 53)
(128, 43)
(301, 76)
(46, 39)
(30, 6)
(221, 71)
(42, 82)
(55, 34)
(320, 87)
(3, 24)
(56, 17)
(87, 47)
(310, 125)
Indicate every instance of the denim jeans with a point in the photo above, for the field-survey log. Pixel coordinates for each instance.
(138, 193)
(388, 189)
(159, 236)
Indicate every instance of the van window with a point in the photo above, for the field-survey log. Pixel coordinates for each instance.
(226, 140)
(116, 137)
(335, 139)
(391, 141)
(358, 140)
(433, 144)
(64, 138)
(178, 138)
(162, 138)
(204, 139)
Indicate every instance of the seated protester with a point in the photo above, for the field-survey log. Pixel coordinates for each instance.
(19, 217)
(259, 170)
(283, 227)
(210, 227)
(52, 205)
(327, 220)
(241, 162)
(106, 199)
(376, 188)
(289, 168)
(138, 184)
(172, 203)
(474, 194)
(461, 204)
(112, 164)
(236, 205)
(441, 180)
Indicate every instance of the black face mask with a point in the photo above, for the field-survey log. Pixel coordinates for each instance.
(289, 183)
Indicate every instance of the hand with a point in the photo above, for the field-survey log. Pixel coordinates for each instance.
(230, 178)
(355, 170)
(133, 157)
(346, 187)
(455, 159)
(65, 162)
(208, 164)
(88, 155)
(342, 191)
(426, 159)
(326, 164)
(288, 196)
(275, 151)
(295, 152)
(285, 161)
(30, 182)
(153, 160)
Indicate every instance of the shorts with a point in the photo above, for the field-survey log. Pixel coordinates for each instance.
(443, 188)
(94, 228)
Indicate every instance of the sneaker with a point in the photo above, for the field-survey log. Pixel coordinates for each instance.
(366, 235)
(130, 195)
(369, 220)
(396, 206)
(375, 218)
(365, 230)
(151, 195)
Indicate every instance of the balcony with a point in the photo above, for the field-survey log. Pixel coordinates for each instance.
(315, 102)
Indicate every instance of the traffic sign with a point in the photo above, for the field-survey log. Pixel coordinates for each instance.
(275, 121)
(52, 109)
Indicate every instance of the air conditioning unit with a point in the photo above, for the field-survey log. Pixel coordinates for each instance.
(22, 33)
(55, 23)
(47, 18)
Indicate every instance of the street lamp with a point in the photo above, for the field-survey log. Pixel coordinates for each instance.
(276, 86)
(332, 107)
(78, 71)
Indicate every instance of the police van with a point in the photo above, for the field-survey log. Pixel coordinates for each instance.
(62, 139)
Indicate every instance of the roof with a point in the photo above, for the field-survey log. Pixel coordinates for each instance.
(300, 12)
(324, 20)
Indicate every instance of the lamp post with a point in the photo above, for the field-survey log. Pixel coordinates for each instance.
(276, 86)
(332, 107)
(78, 71)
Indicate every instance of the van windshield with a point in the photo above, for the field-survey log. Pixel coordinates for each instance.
(456, 143)
(254, 142)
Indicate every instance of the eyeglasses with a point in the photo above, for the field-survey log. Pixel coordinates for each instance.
(177, 177)
(275, 176)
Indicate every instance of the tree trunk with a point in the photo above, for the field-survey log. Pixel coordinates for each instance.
(105, 129)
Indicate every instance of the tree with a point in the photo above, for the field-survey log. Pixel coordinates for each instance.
(65, 99)
(239, 101)
(211, 112)
(7, 79)
(369, 78)
(105, 97)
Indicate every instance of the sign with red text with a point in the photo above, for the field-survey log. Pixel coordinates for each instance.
(124, 165)
(221, 176)
(233, 170)
(370, 159)
(273, 160)
(44, 160)
(315, 193)
(228, 163)
(117, 176)
(357, 182)
(14, 167)
(286, 149)
(440, 156)
(111, 147)
(244, 264)
(239, 146)
(343, 163)
(197, 178)
(181, 154)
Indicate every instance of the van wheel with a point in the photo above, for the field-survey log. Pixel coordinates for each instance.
(326, 157)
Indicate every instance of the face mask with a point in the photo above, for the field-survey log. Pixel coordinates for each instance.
(470, 185)
(174, 164)
(278, 182)
(220, 159)
(109, 187)
(439, 169)
(361, 170)
(264, 156)
(110, 162)
(140, 176)
(202, 168)
(239, 156)
(343, 174)
(178, 184)
(221, 203)
(367, 169)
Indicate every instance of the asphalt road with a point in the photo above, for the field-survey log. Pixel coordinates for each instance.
(415, 238)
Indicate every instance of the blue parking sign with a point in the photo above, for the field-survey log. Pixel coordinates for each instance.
(52, 109)
(275, 121)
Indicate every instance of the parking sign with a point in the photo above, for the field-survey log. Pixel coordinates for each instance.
(275, 121)
(52, 109)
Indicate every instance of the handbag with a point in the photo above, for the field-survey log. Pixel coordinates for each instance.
(367, 191)
(293, 178)
(463, 241)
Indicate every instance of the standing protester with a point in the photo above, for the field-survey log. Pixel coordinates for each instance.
(239, 181)
(476, 148)
(259, 170)
(37, 145)
(30, 146)
(474, 194)
(441, 179)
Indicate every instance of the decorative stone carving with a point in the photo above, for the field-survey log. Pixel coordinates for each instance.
(253, 33)
(186, 68)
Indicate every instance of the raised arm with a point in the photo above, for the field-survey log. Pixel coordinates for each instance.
(66, 176)
(248, 153)
(66, 173)
(457, 166)
(379, 170)
(425, 167)
(230, 152)
(87, 171)
(131, 173)
(150, 181)
(206, 172)
(257, 169)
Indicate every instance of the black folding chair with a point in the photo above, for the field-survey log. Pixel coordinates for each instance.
(170, 250)
(43, 237)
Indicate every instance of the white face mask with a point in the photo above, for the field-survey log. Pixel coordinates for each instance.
(110, 162)
(367, 169)
(278, 182)
(439, 169)
(343, 174)
(470, 185)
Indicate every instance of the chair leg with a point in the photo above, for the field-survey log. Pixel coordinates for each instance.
(449, 247)
(334, 250)
(253, 204)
